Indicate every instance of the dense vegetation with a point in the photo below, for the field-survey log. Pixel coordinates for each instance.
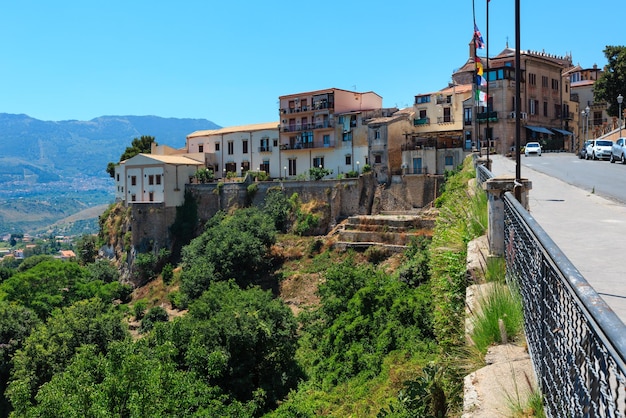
(377, 343)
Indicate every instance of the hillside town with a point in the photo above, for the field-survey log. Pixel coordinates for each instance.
(345, 131)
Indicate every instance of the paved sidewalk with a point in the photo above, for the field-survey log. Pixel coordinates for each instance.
(589, 229)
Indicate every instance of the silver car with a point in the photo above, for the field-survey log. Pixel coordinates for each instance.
(599, 149)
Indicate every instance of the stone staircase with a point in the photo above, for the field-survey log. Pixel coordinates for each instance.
(392, 230)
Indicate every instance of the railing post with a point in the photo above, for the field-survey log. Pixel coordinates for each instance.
(495, 188)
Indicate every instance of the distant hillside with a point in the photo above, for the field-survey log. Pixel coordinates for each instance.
(64, 162)
(66, 148)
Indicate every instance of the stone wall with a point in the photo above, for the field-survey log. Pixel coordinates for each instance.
(150, 222)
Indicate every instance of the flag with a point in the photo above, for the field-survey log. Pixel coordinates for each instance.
(478, 38)
(481, 98)
(479, 68)
(481, 81)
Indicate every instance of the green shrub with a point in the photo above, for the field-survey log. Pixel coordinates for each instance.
(167, 273)
(140, 308)
(154, 315)
(376, 254)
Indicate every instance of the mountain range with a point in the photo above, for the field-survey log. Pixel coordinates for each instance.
(44, 161)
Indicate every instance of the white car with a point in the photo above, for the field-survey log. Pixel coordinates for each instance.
(599, 149)
(532, 148)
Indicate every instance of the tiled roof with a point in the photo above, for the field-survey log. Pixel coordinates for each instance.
(234, 129)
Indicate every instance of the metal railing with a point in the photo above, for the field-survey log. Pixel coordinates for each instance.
(576, 342)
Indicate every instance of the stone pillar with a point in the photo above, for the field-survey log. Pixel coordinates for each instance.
(495, 188)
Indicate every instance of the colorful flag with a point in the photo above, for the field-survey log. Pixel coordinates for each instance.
(481, 81)
(479, 68)
(481, 98)
(478, 38)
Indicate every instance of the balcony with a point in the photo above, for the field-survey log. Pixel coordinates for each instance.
(307, 145)
(421, 121)
(483, 117)
(445, 119)
(265, 149)
(298, 127)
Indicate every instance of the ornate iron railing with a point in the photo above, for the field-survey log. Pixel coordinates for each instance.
(576, 342)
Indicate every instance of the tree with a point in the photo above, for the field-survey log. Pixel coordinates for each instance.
(612, 82)
(138, 146)
(16, 324)
(243, 341)
(86, 249)
(232, 247)
(50, 347)
(204, 175)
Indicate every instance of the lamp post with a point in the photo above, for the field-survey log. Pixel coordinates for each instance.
(285, 168)
(357, 167)
(620, 99)
(587, 123)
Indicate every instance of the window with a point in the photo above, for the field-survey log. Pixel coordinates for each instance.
(348, 159)
(545, 109)
(377, 134)
(231, 147)
(318, 162)
(446, 115)
(422, 99)
(532, 106)
(532, 79)
(275, 142)
(557, 111)
(244, 145)
(347, 136)
(326, 139)
(555, 84)
(201, 148)
(378, 159)
(467, 116)
(118, 177)
(423, 114)
(151, 196)
(217, 146)
(133, 180)
(544, 81)
(158, 179)
(133, 198)
(151, 179)
(265, 166)
(449, 160)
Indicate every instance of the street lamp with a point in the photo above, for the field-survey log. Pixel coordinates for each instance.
(620, 99)
(285, 168)
(357, 167)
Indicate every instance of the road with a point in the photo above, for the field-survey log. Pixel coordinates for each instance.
(599, 177)
(579, 205)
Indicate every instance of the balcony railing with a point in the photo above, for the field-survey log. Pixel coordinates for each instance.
(314, 106)
(421, 121)
(265, 149)
(483, 117)
(598, 121)
(298, 127)
(307, 145)
(445, 119)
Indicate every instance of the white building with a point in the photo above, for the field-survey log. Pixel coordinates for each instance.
(155, 178)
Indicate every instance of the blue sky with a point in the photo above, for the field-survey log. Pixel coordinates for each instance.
(229, 61)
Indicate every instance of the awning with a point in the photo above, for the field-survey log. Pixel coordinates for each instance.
(562, 131)
(540, 129)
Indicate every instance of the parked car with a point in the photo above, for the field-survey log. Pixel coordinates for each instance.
(532, 148)
(583, 150)
(599, 149)
(618, 151)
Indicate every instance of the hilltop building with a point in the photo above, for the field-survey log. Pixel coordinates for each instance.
(546, 107)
